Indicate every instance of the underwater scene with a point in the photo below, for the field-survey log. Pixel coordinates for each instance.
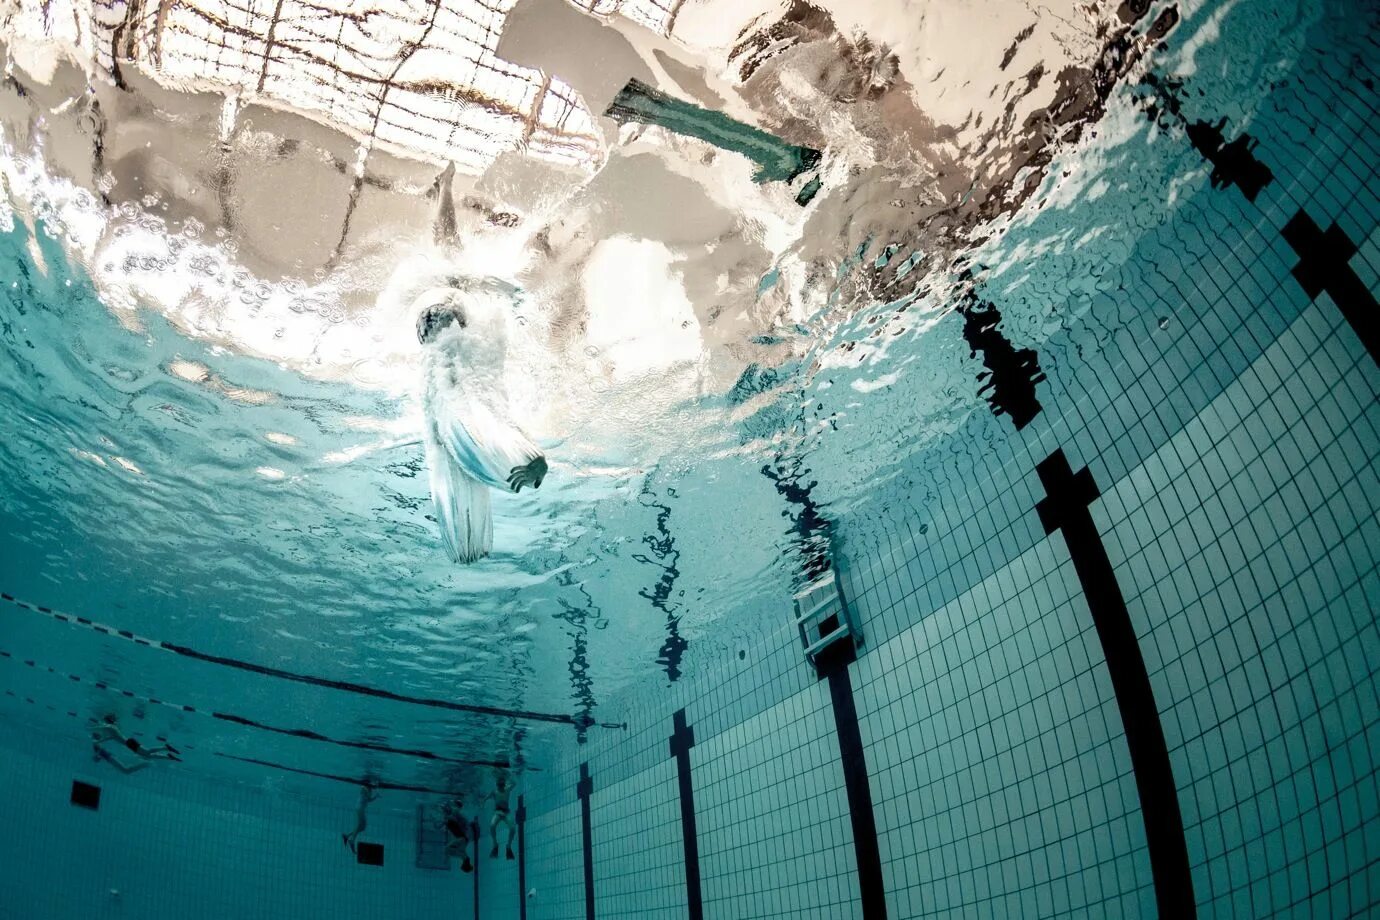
(689, 458)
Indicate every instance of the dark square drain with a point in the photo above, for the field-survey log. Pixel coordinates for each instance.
(369, 854)
(86, 795)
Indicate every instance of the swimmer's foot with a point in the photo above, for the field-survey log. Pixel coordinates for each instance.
(349, 845)
(493, 854)
(465, 866)
(510, 852)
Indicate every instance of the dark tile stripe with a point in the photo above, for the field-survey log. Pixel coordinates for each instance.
(478, 846)
(865, 846)
(584, 789)
(521, 817)
(1066, 509)
(682, 740)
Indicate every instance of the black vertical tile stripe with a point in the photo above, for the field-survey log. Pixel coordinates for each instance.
(1324, 257)
(866, 849)
(478, 846)
(1066, 509)
(584, 789)
(682, 740)
(521, 817)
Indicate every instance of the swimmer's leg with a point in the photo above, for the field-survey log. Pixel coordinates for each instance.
(166, 752)
(103, 754)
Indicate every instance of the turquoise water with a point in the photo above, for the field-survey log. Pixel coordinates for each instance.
(332, 568)
(158, 484)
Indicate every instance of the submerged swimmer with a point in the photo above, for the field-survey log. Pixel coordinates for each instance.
(108, 729)
(472, 446)
(367, 793)
(453, 820)
(502, 792)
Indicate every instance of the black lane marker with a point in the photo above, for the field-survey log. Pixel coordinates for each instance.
(265, 670)
(400, 787)
(682, 740)
(584, 789)
(1324, 257)
(304, 733)
(474, 833)
(521, 817)
(1066, 509)
(867, 851)
(350, 687)
(361, 745)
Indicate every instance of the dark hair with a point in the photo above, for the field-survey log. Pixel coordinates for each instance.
(433, 319)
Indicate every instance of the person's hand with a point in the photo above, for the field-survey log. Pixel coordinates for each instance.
(530, 474)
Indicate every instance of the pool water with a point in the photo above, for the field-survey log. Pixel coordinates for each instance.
(1145, 689)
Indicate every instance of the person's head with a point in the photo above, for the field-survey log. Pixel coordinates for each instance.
(109, 719)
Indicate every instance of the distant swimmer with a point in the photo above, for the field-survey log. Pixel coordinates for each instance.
(368, 792)
(472, 444)
(108, 731)
(453, 820)
(503, 788)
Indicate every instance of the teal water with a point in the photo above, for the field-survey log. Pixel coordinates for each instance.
(205, 511)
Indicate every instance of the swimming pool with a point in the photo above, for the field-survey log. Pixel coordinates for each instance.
(1086, 437)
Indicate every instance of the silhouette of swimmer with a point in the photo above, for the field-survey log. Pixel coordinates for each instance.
(108, 730)
(367, 793)
(453, 820)
(471, 443)
(503, 786)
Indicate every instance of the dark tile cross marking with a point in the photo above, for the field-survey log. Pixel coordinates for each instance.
(682, 740)
(1323, 266)
(584, 788)
(1066, 509)
(520, 816)
(866, 848)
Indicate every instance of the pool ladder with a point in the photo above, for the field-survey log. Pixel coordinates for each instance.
(823, 618)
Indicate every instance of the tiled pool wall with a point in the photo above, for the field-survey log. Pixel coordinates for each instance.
(1224, 408)
(167, 843)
